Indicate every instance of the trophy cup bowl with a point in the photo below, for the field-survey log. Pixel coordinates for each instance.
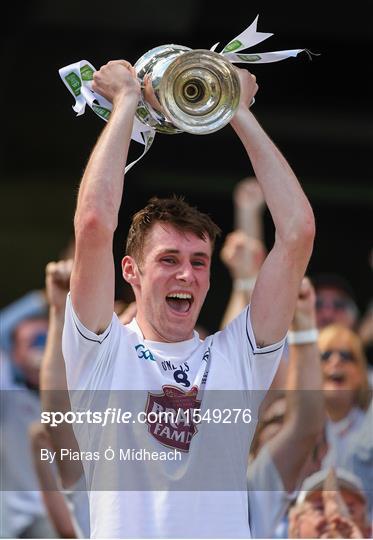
(185, 90)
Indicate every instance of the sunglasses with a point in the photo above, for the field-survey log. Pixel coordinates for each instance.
(338, 304)
(39, 340)
(345, 356)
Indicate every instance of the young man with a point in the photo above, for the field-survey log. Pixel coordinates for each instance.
(202, 492)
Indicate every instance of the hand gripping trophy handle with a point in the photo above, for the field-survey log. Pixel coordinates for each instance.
(196, 91)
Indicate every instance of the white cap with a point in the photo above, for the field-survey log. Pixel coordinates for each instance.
(346, 480)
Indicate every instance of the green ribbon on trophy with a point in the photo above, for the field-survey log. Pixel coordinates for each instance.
(184, 90)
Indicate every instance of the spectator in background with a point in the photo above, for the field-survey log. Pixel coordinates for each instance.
(359, 457)
(279, 457)
(249, 206)
(28, 344)
(365, 328)
(345, 386)
(335, 301)
(55, 504)
(243, 254)
(22, 510)
(271, 422)
(331, 504)
(32, 305)
(63, 489)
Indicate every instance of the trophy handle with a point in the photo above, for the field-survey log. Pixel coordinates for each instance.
(150, 69)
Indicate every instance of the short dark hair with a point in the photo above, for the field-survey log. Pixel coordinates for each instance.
(175, 211)
(333, 281)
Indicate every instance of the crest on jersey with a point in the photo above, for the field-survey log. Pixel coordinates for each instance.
(170, 416)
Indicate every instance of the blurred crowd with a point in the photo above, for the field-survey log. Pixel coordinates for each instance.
(310, 469)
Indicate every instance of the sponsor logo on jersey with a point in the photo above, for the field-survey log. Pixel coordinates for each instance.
(176, 429)
(142, 352)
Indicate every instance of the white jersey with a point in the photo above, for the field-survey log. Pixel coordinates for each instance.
(196, 487)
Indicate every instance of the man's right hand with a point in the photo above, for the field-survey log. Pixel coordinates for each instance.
(115, 80)
(99, 199)
(248, 87)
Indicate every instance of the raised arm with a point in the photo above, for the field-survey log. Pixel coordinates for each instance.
(53, 386)
(99, 199)
(249, 205)
(305, 413)
(243, 256)
(54, 501)
(275, 293)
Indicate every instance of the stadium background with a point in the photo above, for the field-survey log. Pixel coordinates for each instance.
(319, 112)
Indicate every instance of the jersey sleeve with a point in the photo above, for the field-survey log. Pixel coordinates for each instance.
(89, 357)
(256, 366)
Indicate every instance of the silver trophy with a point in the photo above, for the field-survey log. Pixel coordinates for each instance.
(196, 91)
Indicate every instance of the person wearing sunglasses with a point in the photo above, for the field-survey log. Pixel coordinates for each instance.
(346, 388)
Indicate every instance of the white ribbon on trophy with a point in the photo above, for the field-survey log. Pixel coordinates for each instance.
(78, 77)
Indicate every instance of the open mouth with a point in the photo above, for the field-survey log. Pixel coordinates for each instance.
(338, 378)
(180, 302)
